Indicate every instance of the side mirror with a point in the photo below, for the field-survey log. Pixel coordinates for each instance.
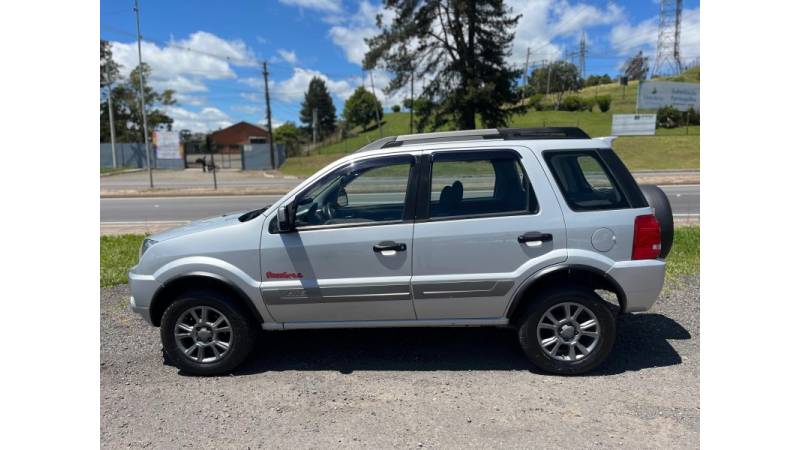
(286, 218)
(341, 197)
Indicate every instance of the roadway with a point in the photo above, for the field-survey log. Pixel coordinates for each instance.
(685, 200)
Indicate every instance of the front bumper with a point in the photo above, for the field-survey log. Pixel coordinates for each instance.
(143, 289)
(641, 281)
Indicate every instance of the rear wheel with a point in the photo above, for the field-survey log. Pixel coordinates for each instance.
(567, 331)
(205, 333)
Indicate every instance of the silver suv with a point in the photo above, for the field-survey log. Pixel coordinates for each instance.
(508, 228)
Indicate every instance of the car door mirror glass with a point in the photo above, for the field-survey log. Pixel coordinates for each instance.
(286, 218)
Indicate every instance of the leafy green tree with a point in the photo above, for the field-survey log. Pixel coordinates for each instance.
(361, 107)
(291, 137)
(461, 47)
(559, 78)
(127, 108)
(317, 96)
(109, 69)
(395, 109)
(594, 80)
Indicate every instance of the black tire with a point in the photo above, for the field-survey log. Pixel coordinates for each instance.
(539, 306)
(658, 200)
(243, 332)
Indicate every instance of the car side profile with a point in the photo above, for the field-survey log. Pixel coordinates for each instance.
(507, 228)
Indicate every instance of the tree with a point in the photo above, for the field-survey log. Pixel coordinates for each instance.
(556, 78)
(317, 96)
(395, 109)
(636, 67)
(361, 107)
(127, 108)
(109, 69)
(461, 47)
(290, 136)
(594, 80)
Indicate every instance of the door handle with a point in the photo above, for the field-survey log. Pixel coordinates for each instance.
(389, 246)
(534, 238)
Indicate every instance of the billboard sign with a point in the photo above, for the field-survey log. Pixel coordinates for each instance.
(633, 125)
(168, 144)
(681, 96)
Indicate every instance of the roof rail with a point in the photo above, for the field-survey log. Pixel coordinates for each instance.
(508, 134)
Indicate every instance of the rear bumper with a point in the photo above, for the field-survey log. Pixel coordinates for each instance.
(641, 281)
(143, 288)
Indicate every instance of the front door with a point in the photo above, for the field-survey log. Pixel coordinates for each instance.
(350, 256)
(491, 220)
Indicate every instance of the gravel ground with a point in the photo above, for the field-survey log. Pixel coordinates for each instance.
(407, 388)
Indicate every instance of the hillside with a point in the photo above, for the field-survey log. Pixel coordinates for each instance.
(669, 149)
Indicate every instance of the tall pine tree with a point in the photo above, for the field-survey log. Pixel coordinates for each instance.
(317, 96)
(463, 46)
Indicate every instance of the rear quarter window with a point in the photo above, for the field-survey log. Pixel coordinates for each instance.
(585, 181)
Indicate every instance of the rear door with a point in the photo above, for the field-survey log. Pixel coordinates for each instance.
(350, 257)
(486, 220)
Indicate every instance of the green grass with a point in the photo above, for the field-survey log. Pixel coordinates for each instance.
(117, 255)
(684, 258)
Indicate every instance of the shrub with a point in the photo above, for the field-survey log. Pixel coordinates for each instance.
(576, 103)
(604, 103)
(395, 108)
(536, 102)
(694, 117)
(668, 117)
(572, 103)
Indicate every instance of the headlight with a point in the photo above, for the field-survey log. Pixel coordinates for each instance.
(147, 243)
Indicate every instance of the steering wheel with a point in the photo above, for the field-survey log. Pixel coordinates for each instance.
(328, 211)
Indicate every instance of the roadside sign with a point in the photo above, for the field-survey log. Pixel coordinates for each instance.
(681, 96)
(633, 124)
(168, 144)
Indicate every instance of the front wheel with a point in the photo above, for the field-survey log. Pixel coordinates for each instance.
(204, 333)
(567, 331)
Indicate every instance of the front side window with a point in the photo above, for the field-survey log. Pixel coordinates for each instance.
(363, 193)
(585, 181)
(473, 185)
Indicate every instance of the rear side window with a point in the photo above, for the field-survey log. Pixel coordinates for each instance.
(585, 181)
(475, 184)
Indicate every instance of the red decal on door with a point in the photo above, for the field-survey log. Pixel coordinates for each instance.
(285, 275)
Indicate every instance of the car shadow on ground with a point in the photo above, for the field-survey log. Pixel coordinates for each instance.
(642, 342)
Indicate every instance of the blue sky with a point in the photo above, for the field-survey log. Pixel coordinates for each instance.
(209, 51)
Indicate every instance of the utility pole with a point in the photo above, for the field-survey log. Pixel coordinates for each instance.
(411, 122)
(377, 116)
(111, 120)
(582, 56)
(141, 95)
(265, 72)
(527, 59)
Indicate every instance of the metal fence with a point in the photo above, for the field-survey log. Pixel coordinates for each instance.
(250, 157)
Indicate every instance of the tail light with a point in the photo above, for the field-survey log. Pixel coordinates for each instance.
(646, 237)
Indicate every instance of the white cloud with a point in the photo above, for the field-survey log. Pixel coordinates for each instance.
(319, 5)
(175, 67)
(351, 30)
(627, 39)
(207, 119)
(543, 21)
(288, 55)
(294, 88)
